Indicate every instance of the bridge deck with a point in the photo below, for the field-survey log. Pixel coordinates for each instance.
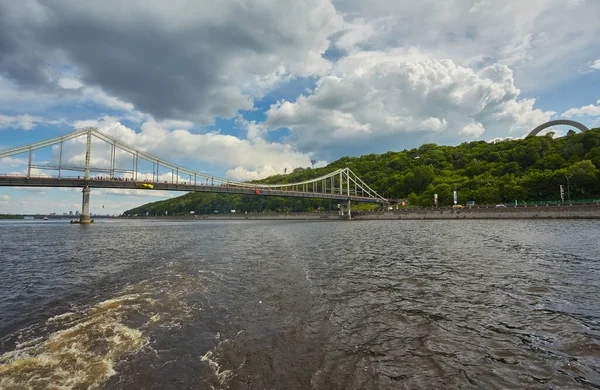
(23, 181)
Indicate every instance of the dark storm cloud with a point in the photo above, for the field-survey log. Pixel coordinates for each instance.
(18, 59)
(193, 70)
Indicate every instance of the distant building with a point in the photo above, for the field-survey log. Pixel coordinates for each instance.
(77, 213)
(71, 213)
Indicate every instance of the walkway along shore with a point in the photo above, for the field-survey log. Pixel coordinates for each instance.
(589, 211)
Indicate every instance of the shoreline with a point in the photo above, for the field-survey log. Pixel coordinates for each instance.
(591, 211)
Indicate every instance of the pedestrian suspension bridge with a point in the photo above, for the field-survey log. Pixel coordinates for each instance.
(111, 163)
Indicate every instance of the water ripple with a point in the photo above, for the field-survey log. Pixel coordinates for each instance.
(322, 305)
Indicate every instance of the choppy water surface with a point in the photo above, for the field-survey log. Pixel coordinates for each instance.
(323, 305)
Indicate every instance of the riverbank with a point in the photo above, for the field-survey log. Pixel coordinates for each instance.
(491, 212)
(590, 211)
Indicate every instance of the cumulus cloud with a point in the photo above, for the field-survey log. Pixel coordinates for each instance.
(242, 159)
(473, 129)
(398, 93)
(595, 65)
(479, 32)
(176, 60)
(589, 110)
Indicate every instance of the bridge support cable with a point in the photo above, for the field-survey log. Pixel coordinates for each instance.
(348, 187)
(41, 144)
(29, 163)
(88, 151)
(60, 158)
(112, 159)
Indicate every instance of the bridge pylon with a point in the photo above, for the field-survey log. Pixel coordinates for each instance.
(85, 218)
(346, 209)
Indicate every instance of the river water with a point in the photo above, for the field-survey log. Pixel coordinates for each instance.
(300, 305)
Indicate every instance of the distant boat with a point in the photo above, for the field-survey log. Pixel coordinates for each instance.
(45, 218)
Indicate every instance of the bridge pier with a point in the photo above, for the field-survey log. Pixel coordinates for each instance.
(84, 218)
(348, 207)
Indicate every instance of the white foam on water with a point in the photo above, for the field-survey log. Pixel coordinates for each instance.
(217, 354)
(87, 344)
(81, 354)
(65, 316)
(223, 376)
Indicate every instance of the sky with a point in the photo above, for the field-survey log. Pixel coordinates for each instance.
(247, 89)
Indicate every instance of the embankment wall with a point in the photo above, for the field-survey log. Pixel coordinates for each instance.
(591, 211)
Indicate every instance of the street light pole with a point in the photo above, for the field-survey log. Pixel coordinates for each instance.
(568, 188)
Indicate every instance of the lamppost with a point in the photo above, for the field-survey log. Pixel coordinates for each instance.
(568, 187)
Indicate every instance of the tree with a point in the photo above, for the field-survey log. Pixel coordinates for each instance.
(423, 176)
(529, 169)
(584, 179)
(413, 199)
(444, 192)
(551, 161)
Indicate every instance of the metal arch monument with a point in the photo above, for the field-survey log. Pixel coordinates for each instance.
(567, 122)
(341, 185)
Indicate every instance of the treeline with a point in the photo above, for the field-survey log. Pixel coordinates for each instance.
(525, 170)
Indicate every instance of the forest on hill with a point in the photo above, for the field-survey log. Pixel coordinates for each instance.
(530, 169)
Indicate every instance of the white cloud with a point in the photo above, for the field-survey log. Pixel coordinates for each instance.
(137, 193)
(595, 65)
(181, 60)
(355, 32)
(386, 94)
(25, 122)
(589, 110)
(176, 124)
(37, 190)
(433, 124)
(522, 35)
(71, 93)
(243, 159)
(12, 162)
(117, 200)
(97, 95)
(473, 130)
(70, 83)
(575, 3)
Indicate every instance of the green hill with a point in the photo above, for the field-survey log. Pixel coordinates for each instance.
(525, 170)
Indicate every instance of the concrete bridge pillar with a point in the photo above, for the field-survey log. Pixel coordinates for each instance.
(84, 218)
(348, 209)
